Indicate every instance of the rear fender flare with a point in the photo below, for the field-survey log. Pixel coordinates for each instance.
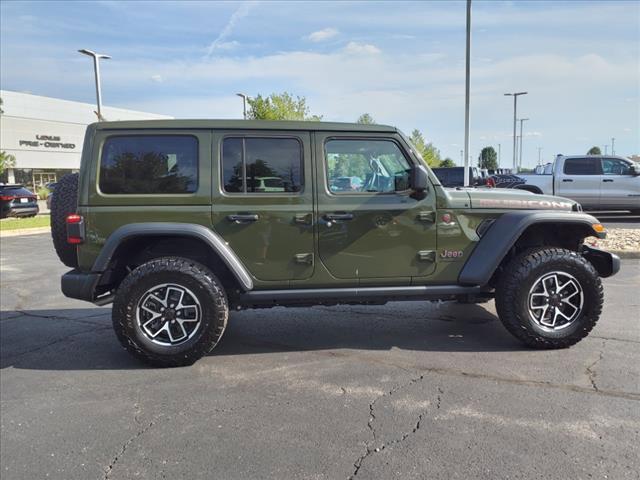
(157, 229)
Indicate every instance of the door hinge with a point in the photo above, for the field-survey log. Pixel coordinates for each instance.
(304, 258)
(427, 217)
(427, 255)
(303, 218)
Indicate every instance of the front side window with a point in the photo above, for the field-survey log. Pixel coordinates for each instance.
(582, 166)
(149, 164)
(614, 166)
(262, 165)
(367, 165)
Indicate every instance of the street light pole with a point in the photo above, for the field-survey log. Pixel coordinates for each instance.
(244, 104)
(515, 109)
(613, 146)
(539, 156)
(466, 102)
(522, 120)
(499, 154)
(96, 69)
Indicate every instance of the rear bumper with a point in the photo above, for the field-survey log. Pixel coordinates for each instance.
(607, 264)
(21, 211)
(82, 286)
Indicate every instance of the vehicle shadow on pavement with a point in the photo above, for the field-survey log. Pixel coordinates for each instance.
(83, 339)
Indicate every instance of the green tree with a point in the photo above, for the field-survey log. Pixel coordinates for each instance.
(6, 160)
(447, 163)
(488, 159)
(279, 106)
(594, 151)
(430, 153)
(366, 119)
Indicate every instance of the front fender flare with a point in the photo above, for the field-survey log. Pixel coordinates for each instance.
(503, 234)
(155, 229)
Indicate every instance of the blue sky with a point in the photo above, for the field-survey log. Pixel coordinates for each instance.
(403, 62)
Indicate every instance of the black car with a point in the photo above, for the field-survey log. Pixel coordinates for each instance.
(51, 187)
(454, 176)
(17, 201)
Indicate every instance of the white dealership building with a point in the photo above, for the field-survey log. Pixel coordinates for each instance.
(45, 135)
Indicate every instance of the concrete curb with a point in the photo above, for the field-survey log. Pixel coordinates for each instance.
(24, 231)
(630, 254)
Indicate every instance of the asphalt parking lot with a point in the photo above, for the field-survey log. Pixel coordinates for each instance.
(406, 390)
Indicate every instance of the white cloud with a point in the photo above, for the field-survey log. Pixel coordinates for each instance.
(322, 35)
(355, 48)
(157, 78)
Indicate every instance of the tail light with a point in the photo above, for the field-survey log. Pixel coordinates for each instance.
(75, 229)
(8, 198)
(491, 183)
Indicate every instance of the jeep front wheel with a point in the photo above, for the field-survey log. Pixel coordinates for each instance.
(170, 312)
(549, 298)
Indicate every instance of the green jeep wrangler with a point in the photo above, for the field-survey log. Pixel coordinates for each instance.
(179, 221)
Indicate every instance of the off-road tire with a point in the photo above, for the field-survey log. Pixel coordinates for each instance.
(175, 270)
(512, 294)
(63, 203)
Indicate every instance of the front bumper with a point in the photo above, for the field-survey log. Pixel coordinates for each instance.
(607, 264)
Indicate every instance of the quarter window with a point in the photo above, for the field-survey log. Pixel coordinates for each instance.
(374, 166)
(149, 164)
(582, 166)
(262, 165)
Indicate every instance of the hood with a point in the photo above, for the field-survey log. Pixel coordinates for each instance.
(507, 199)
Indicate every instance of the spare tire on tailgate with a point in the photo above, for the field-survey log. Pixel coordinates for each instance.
(64, 202)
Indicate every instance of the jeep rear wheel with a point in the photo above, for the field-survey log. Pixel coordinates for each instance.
(170, 312)
(549, 298)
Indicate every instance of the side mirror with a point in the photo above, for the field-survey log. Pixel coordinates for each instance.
(419, 182)
(635, 169)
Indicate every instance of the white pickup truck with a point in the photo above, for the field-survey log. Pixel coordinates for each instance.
(597, 182)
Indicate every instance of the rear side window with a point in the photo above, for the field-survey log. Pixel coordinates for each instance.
(614, 166)
(262, 165)
(149, 164)
(582, 166)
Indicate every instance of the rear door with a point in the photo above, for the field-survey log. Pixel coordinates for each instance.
(580, 179)
(263, 201)
(377, 231)
(620, 189)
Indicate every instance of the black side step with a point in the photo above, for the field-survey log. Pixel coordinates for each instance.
(355, 295)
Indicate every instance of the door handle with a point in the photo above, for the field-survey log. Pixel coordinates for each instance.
(333, 217)
(567, 180)
(608, 180)
(243, 218)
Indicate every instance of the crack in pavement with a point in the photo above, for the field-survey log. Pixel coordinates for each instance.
(589, 369)
(411, 368)
(370, 425)
(42, 347)
(125, 445)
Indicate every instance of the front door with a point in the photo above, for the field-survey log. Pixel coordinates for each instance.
(263, 201)
(620, 189)
(368, 224)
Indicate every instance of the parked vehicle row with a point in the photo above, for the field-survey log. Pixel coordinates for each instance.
(597, 182)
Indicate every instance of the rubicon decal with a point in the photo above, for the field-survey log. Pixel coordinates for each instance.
(517, 203)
